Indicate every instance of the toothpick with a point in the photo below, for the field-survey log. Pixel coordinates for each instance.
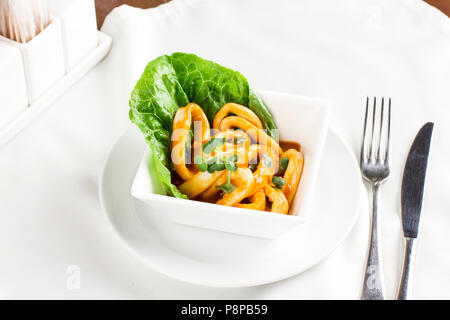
(22, 20)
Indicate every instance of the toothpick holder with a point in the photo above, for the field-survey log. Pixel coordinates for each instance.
(78, 26)
(13, 92)
(43, 59)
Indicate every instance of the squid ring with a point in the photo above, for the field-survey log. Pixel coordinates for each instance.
(199, 183)
(278, 199)
(231, 148)
(253, 132)
(212, 191)
(238, 110)
(257, 151)
(293, 173)
(257, 202)
(243, 179)
(181, 125)
(263, 173)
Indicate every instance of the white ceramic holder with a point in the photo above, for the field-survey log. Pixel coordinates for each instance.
(13, 91)
(43, 59)
(45, 101)
(78, 27)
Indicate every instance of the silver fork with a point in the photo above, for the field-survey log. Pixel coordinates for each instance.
(375, 169)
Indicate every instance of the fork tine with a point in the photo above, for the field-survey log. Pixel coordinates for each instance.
(363, 144)
(372, 144)
(386, 156)
(381, 130)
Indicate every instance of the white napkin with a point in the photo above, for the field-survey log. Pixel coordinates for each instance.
(339, 50)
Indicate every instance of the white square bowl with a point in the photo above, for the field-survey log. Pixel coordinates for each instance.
(301, 119)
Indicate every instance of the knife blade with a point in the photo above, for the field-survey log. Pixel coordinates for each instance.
(411, 197)
(414, 181)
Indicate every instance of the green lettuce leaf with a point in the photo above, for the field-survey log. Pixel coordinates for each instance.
(256, 104)
(208, 84)
(172, 81)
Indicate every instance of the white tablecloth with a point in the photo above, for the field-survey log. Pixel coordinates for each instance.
(340, 50)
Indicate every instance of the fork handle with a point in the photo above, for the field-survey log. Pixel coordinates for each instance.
(404, 290)
(373, 279)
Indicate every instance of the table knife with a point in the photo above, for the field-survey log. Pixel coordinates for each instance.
(411, 200)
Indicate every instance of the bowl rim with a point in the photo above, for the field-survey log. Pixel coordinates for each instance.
(211, 206)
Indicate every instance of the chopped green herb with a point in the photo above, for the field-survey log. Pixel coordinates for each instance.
(279, 182)
(220, 166)
(213, 167)
(227, 187)
(231, 166)
(284, 163)
(201, 163)
(216, 163)
(213, 144)
(230, 162)
(214, 160)
(267, 160)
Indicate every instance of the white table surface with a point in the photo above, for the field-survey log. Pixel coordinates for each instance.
(341, 50)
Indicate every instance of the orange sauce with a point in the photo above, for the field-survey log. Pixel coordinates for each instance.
(286, 145)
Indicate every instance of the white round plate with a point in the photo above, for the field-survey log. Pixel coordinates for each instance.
(220, 259)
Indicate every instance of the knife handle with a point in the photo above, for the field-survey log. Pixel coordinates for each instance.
(404, 290)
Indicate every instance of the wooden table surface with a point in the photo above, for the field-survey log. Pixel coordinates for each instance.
(103, 7)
